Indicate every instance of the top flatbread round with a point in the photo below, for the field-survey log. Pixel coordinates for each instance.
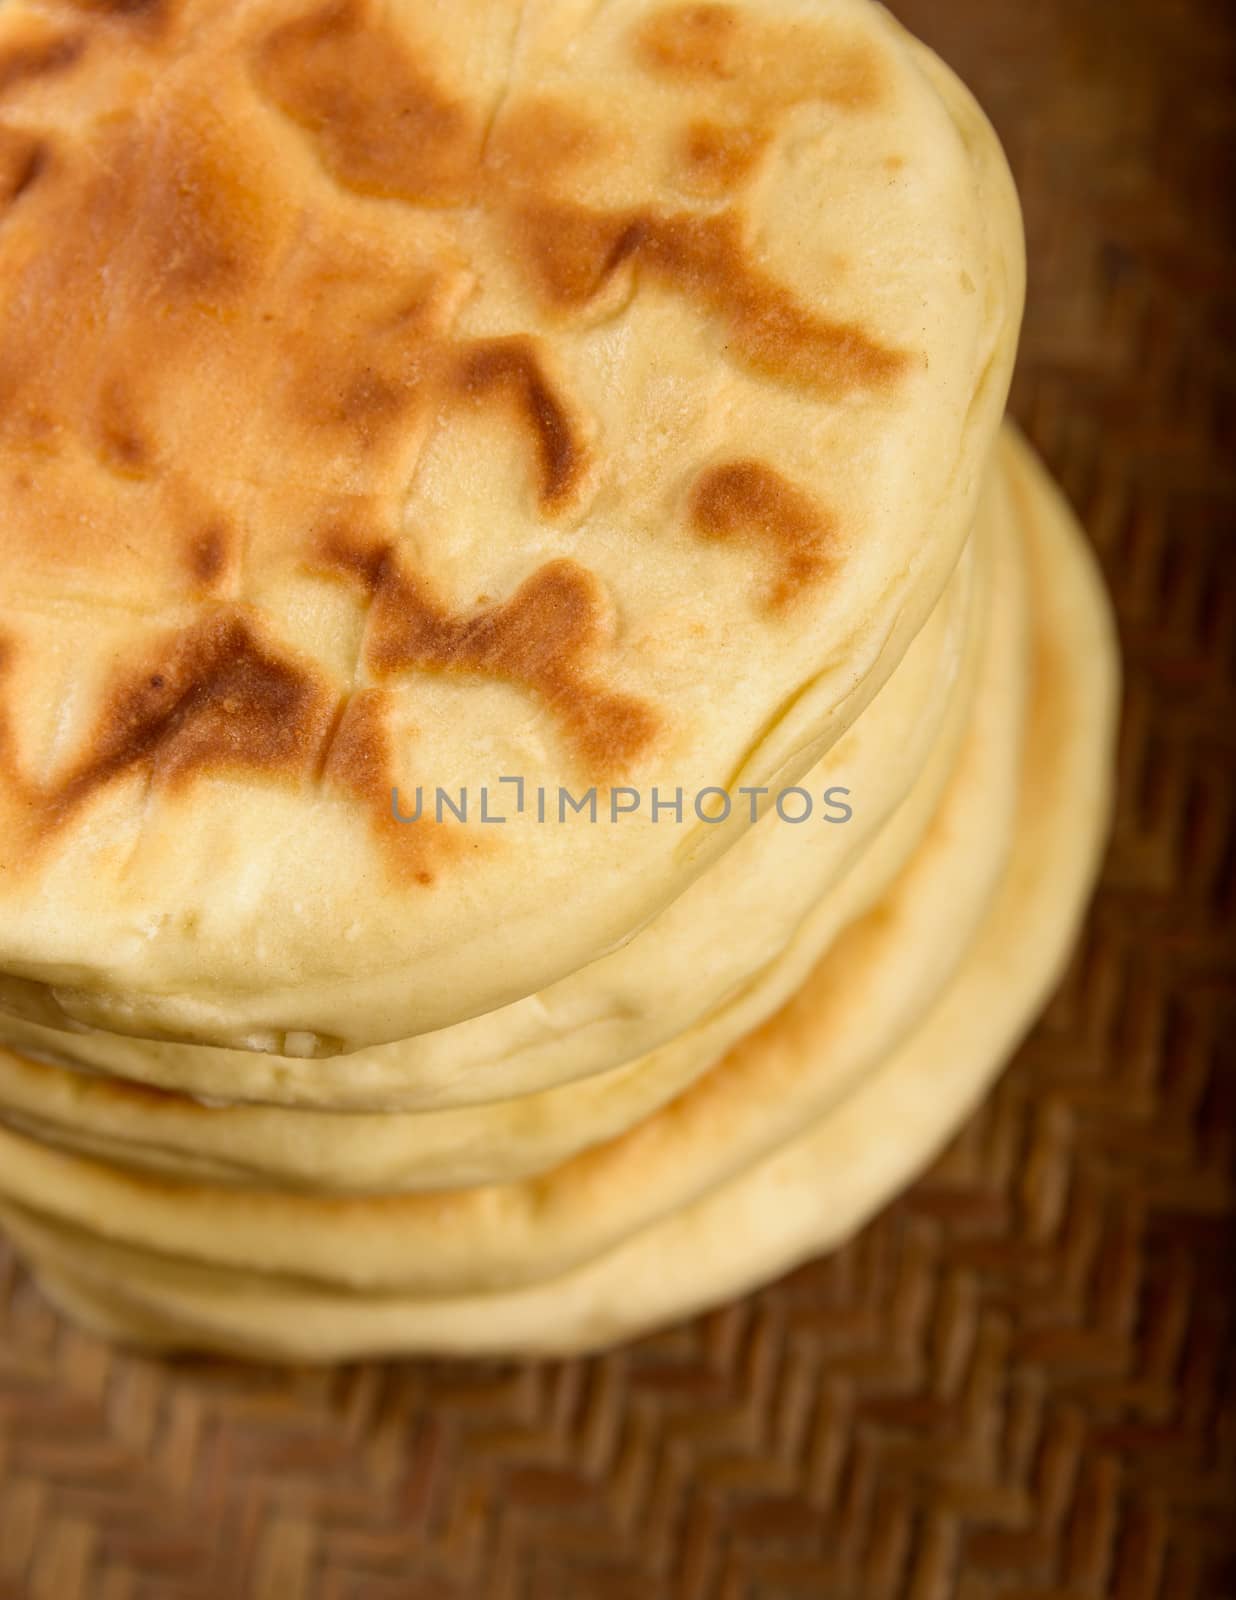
(401, 395)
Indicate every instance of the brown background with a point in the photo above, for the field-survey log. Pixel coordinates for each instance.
(1019, 1382)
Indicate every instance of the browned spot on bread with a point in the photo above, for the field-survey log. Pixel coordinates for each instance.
(140, 10)
(574, 252)
(126, 264)
(160, 224)
(748, 502)
(124, 447)
(544, 638)
(379, 122)
(386, 371)
(212, 698)
(366, 401)
(511, 367)
(27, 59)
(692, 41)
(23, 160)
(216, 698)
(571, 252)
(765, 63)
(199, 220)
(359, 763)
(364, 357)
(716, 157)
(208, 554)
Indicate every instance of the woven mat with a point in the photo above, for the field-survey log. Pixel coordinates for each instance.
(1019, 1381)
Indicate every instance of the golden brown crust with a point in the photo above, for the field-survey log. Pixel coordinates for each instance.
(214, 697)
(511, 369)
(150, 12)
(767, 64)
(748, 501)
(716, 156)
(380, 124)
(357, 762)
(22, 160)
(217, 698)
(209, 553)
(41, 55)
(232, 293)
(175, 224)
(574, 252)
(542, 639)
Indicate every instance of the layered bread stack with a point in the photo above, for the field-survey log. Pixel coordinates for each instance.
(550, 746)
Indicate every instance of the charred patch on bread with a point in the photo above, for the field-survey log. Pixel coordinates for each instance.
(380, 123)
(217, 698)
(359, 764)
(26, 60)
(211, 698)
(511, 369)
(748, 502)
(545, 639)
(573, 252)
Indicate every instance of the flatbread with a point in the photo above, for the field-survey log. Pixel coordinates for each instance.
(177, 1136)
(664, 981)
(401, 394)
(865, 995)
(815, 1191)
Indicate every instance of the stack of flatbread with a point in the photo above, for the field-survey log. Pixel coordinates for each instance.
(550, 743)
